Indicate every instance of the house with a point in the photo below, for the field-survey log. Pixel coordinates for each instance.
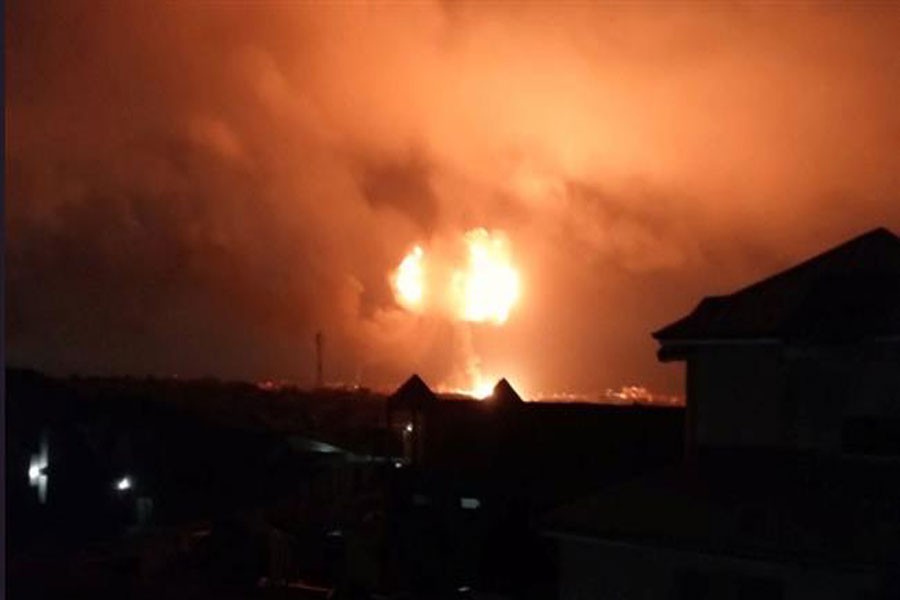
(808, 359)
(791, 480)
(405, 416)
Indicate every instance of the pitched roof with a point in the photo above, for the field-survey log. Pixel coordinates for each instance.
(504, 393)
(414, 393)
(849, 292)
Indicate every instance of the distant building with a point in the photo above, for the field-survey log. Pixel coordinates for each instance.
(791, 482)
(406, 409)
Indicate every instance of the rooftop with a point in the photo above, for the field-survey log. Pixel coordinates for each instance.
(848, 293)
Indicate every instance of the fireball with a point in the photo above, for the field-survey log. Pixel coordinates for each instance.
(409, 281)
(481, 389)
(481, 288)
(488, 286)
(471, 279)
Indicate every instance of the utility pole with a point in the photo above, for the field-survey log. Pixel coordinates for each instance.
(319, 379)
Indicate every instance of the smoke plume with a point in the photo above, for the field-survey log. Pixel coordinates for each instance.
(198, 188)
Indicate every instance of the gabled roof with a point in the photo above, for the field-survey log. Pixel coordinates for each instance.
(414, 393)
(850, 292)
(504, 393)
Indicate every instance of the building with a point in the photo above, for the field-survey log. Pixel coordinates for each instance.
(789, 486)
(477, 475)
(806, 359)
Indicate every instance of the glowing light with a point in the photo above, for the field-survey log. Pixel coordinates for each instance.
(483, 287)
(124, 484)
(469, 503)
(481, 389)
(409, 428)
(468, 279)
(409, 280)
(638, 394)
(37, 475)
(489, 285)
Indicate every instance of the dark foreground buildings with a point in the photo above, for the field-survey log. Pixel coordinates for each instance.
(218, 490)
(477, 476)
(790, 487)
(779, 480)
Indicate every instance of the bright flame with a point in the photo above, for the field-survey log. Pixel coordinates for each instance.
(481, 389)
(409, 280)
(483, 289)
(471, 279)
(489, 285)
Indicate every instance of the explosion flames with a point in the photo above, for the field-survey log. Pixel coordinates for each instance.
(489, 286)
(471, 280)
(482, 288)
(409, 281)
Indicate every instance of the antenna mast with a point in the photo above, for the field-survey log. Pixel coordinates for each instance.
(319, 381)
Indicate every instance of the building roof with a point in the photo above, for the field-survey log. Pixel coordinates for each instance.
(504, 393)
(848, 293)
(414, 393)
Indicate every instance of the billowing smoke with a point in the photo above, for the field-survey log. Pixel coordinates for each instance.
(199, 188)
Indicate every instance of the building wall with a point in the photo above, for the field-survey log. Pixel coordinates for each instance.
(777, 396)
(878, 389)
(593, 569)
(735, 395)
(588, 572)
(821, 386)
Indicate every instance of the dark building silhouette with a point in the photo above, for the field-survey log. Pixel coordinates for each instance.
(478, 474)
(503, 394)
(406, 409)
(180, 484)
(806, 359)
(789, 488)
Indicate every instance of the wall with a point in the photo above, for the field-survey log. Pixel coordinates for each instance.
(735, 395)
(595, 569)
(789, 396)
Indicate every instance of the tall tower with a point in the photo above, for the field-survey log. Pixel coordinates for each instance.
(319, 380)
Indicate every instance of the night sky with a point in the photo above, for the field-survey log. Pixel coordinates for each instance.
(196, 189)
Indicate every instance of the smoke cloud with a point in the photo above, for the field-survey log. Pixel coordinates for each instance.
(199, 188)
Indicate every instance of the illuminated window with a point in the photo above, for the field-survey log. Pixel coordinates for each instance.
(469, 503)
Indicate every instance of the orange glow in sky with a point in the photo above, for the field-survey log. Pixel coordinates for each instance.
(530, 188)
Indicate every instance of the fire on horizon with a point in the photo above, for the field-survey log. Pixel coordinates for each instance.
(478, 285)
(466, 191)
